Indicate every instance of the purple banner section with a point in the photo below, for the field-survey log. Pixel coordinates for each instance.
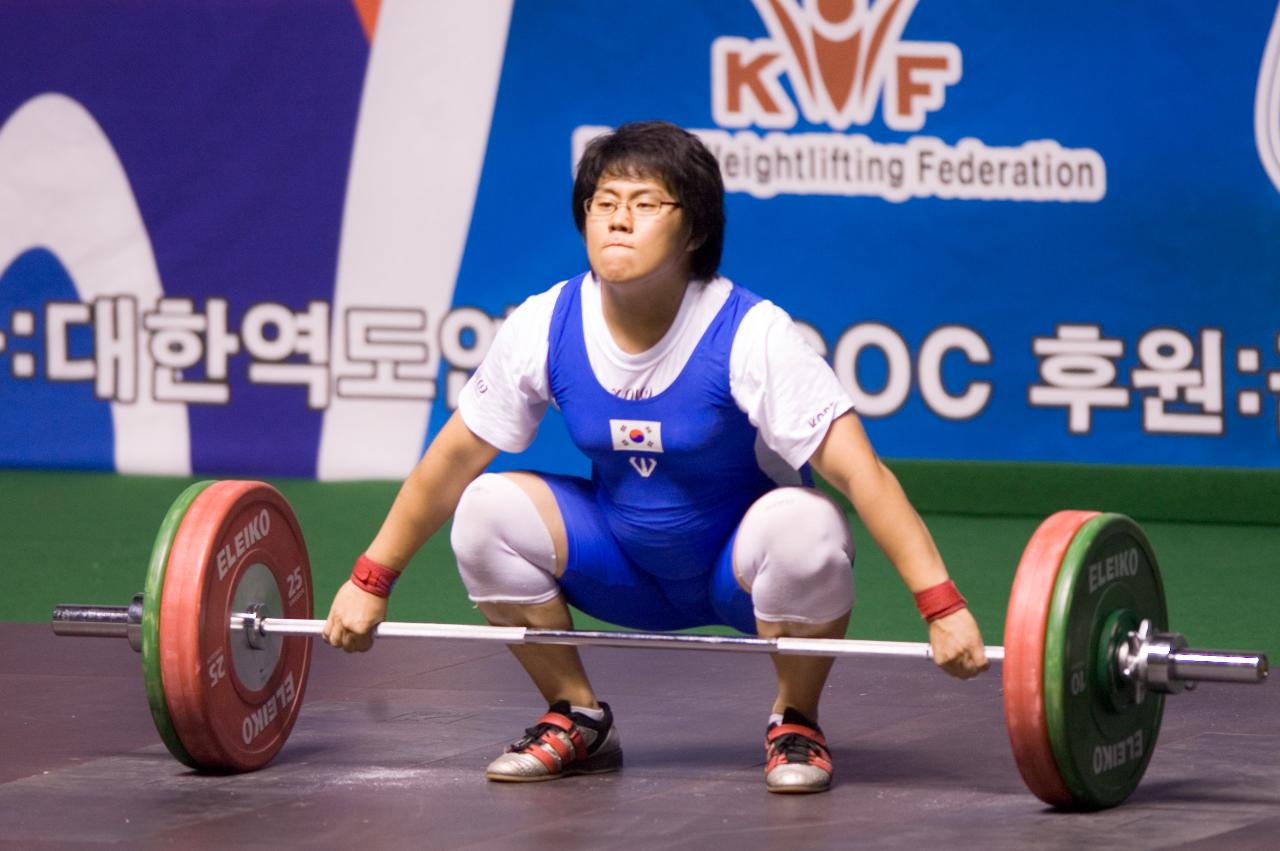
(247, 238)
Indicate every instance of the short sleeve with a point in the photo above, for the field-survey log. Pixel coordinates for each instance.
(788, 392)
(504, 400)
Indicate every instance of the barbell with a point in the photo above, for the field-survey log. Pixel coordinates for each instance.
(226, 609)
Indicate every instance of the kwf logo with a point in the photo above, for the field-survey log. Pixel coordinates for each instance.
(841, 56)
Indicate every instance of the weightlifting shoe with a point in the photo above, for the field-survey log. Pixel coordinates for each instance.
(797, 759)
(561, 743)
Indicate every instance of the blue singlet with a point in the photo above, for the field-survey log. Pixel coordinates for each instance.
(651, 534)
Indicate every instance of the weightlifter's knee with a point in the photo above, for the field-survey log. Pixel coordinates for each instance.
(505, 553)
(794, 555)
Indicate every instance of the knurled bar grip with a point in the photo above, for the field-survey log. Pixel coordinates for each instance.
(790, 646)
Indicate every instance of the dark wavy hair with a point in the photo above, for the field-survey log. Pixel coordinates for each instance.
(660, 149)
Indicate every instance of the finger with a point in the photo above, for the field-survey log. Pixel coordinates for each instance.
(355, 642)
(952, 665)
(964, 666)
(978, 664)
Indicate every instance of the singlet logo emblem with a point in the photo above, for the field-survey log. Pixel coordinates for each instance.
(636, 435)
(644, 466)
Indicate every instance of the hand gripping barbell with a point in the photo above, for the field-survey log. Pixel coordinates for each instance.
(222, 621)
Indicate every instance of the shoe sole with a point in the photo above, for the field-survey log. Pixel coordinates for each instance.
(592, 765)
(798, 790)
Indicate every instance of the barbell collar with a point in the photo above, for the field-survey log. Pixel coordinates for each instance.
(1162, 662)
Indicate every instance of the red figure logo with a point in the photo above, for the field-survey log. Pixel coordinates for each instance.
(842, 57)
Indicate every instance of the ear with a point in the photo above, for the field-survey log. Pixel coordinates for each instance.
(694, 243)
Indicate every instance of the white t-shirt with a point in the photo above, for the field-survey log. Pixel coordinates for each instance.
(789, 393)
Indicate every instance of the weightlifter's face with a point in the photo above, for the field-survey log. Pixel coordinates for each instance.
(636, 231)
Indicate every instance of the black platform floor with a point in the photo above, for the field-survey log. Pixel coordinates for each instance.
(390, 748)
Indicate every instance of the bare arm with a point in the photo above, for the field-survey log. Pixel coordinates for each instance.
(846, 459)
(426, 500)
(431, 492)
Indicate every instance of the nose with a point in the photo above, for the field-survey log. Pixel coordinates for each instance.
(621, 218)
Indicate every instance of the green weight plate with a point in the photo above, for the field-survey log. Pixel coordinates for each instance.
(1102, 737)
(151, 594)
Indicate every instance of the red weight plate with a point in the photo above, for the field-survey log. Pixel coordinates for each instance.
(233, 706)
(1024, 637)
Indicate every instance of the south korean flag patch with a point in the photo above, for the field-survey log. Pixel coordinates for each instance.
(636, 435)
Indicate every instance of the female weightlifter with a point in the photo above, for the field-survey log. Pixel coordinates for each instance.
(703, 411)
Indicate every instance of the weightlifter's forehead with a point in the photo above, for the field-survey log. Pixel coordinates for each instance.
(631, 182)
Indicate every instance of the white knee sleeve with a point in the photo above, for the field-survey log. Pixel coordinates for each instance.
(794, 555)
(505, 553)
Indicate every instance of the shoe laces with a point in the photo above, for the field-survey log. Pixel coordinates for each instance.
(801, 742)
(796, 747)
(533, 735)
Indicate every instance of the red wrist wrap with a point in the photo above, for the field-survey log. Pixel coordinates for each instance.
(375, 578)
(939, 601)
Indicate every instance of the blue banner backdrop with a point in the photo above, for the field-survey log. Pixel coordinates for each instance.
(276, 238)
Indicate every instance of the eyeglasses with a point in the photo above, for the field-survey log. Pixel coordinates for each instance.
(640, 208)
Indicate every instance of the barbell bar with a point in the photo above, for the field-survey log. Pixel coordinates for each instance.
(1087, 657)
(124, 622)
(1167, 661)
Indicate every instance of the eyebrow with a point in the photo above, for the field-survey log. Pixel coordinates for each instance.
(636, 194)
